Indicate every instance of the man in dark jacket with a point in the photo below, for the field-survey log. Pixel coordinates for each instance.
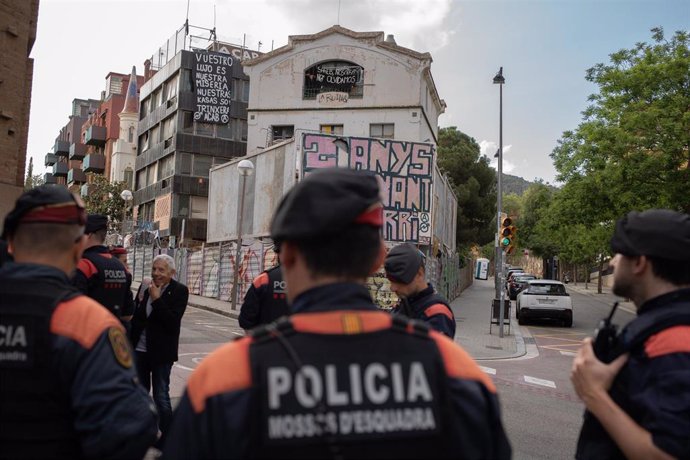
(638, 398)
(155, 333)
(265, 301)
(68, 388)
(338, 378)
(405, 270)
(101, 276)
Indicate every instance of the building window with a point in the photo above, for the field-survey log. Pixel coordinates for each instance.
(166, 167)
(282, 132)
(151, 174)
(185, 166)
(333, 76)
(187, 82)
(141, 179)
(243, 130)
(245, 90)
(331, 129)
(129, 177)
(130, 134)
(227, 131)
(144, 142)
(155, 136)
(385, 130)
(169, 125)
(144, 110)
(201, 165)
(182, 206)
(204, 129)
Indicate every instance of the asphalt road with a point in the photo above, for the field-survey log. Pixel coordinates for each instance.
(541, 411)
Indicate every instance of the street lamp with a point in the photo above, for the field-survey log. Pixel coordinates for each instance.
(127, 196)
(244, 168)
(500, 293)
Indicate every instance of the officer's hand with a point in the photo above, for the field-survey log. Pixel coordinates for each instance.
(592, 378)
(154, 292)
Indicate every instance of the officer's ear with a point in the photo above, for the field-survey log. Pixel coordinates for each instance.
(380, 258)
(288, 254)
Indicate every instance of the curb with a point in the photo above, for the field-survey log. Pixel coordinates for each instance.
(519, 342)
(229, 314)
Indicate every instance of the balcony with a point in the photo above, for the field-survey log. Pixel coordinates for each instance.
(94, 162)
(51, 159)
(76, 176)
(60, 169)
(95, 135)
(77, 151)
(61, 148)
(48, 178)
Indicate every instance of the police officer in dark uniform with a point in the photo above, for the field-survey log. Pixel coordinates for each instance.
(638, 397)
(120, 254)
(405, 270)
(68, 388)
(339, 377)
(265, 301)
(102, 276)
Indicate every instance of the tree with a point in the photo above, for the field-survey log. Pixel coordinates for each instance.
(104, 198)
(634, 141)
(32, 180)
(474, 183)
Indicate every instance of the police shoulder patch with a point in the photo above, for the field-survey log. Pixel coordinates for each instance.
(120, 345)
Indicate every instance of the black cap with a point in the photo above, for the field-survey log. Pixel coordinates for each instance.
(657, 233)
(403, 262)
(47, 204)
(326, 202)
(96, 222)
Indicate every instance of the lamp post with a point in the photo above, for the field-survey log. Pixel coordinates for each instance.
(244, 168)
(127, 196)
(500, 292)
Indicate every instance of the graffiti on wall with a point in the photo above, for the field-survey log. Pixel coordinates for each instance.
(405, 170)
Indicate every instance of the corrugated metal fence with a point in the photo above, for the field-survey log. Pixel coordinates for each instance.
(209, 270)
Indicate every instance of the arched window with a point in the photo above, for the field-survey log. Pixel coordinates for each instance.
(333, 76)
(130, 134)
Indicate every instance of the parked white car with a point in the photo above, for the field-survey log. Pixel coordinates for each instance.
(544, 299)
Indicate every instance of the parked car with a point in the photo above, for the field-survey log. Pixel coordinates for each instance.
(544, 299)
(518, 283)
(512, 271)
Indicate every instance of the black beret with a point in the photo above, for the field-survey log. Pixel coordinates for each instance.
(51, 204)
(96, 222)
(403, 262)
(657, 233)
(325, 202)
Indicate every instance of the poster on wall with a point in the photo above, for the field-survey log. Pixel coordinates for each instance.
(212, 74)
(405, 170)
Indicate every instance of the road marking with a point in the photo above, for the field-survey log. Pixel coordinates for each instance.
(542, 382)
(488, 370)
(568, 353)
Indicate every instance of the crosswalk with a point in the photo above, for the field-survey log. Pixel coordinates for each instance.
(526, 378)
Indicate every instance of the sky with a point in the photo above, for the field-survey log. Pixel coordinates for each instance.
(544, 47)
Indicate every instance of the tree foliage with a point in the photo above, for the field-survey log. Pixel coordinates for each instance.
(474, 183)
(630, 152)
(104, 198)
(32, 180)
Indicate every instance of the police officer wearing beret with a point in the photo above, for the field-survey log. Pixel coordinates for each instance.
(339, 377)
(67, 383)
(405, 270)
(265, 300)
(102, 276)
(638, 404)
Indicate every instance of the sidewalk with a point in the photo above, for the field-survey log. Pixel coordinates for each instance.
(472, 310)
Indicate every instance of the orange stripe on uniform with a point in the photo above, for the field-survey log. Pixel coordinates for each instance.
(341, 322)
(83, 320)
(87, 268)
(458, 363)
(226, 369)
(438, 309)
(260, 280)
(672, 340)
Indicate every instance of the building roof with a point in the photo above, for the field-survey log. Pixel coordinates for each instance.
(376, 38)
(132, 98)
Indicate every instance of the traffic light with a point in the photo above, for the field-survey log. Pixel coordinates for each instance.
(507, 235)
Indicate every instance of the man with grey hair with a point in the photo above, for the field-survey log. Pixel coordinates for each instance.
(155, 334)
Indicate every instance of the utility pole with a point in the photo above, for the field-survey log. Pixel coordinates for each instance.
(500, 291)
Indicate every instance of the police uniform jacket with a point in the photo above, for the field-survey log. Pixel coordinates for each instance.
(104, 278)
(265, 300)
(68, 387)
(430, 307)
(163, 324)
(654, 385)
(369, 385)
